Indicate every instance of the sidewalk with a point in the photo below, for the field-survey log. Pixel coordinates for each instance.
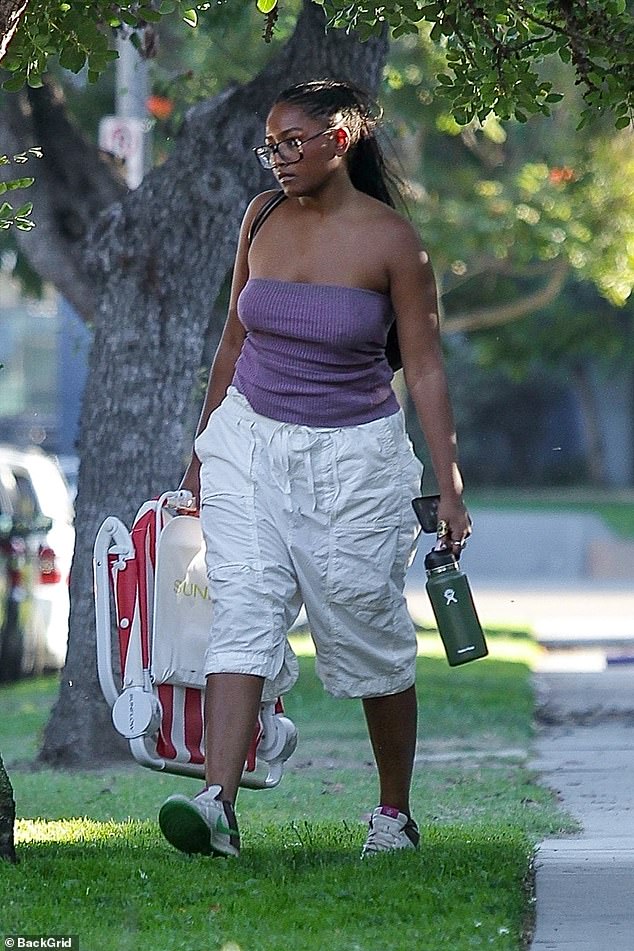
(585, 752)
(582, 611)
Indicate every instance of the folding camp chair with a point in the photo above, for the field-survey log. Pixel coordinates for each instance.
(155, 576)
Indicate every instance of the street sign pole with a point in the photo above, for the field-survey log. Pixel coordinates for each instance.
(126, 134)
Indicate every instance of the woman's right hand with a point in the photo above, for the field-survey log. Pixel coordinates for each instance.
(191, 482)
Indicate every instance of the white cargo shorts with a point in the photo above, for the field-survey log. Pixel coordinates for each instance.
(322, 517)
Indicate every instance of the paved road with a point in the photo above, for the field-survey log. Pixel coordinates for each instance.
(536, 570)
(532, 547)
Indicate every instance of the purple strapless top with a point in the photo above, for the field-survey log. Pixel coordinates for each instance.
(314, 354)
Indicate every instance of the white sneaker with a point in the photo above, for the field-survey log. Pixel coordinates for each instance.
(390, 830)
(204, 825)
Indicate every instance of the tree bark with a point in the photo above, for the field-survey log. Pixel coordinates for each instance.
(156, 261)
(7, 817)
(595, 455)
(11, 12)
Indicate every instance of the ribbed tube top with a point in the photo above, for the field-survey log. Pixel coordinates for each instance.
(314, 354)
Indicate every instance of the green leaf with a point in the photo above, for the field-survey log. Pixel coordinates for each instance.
(622, 122)
(265, 6)
(24, 210)
(414, 14)
(149, 15)
(16, 183)
(14, 84)
(72, 58)
(364, 31)
(190, 17)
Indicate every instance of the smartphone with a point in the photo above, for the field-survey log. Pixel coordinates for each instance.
(426, 508)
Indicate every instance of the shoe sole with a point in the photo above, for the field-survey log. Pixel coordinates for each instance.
(187, 831)
(365, 853)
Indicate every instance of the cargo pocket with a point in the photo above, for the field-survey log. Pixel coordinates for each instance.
(226, 452)
(240, 610)
(360, 570)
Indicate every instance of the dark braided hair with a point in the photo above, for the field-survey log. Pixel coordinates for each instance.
(342, 102)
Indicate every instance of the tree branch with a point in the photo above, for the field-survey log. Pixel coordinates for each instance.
(11, 12)
(74, 182)
(486, 264)
(481, 319)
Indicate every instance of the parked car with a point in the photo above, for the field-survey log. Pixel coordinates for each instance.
(39, 536)
(19, 566)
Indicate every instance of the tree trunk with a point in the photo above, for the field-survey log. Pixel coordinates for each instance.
(591, 424)
(7, 817)
(157, 260)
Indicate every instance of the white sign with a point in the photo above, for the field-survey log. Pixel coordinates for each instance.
(125, 138)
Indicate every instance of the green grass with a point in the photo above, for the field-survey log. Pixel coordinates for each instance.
(94, 864)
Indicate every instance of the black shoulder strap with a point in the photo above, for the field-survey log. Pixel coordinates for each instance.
(261, 216)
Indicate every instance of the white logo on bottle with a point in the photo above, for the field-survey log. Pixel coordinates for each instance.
(450, 596)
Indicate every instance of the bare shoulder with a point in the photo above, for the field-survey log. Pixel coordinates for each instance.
(401, 235)
(406, 255)
(399, 238)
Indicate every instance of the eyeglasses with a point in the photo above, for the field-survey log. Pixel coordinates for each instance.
(290, 151)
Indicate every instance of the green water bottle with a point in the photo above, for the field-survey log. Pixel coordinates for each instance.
(454, 610)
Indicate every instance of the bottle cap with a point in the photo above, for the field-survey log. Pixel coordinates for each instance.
(442, 558)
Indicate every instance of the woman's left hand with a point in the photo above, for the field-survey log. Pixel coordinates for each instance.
(454, 525)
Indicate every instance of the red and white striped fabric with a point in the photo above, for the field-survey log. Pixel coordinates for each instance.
(133, 589)
(162, 629)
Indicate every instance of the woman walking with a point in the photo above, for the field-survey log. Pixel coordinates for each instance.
(302, 467)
